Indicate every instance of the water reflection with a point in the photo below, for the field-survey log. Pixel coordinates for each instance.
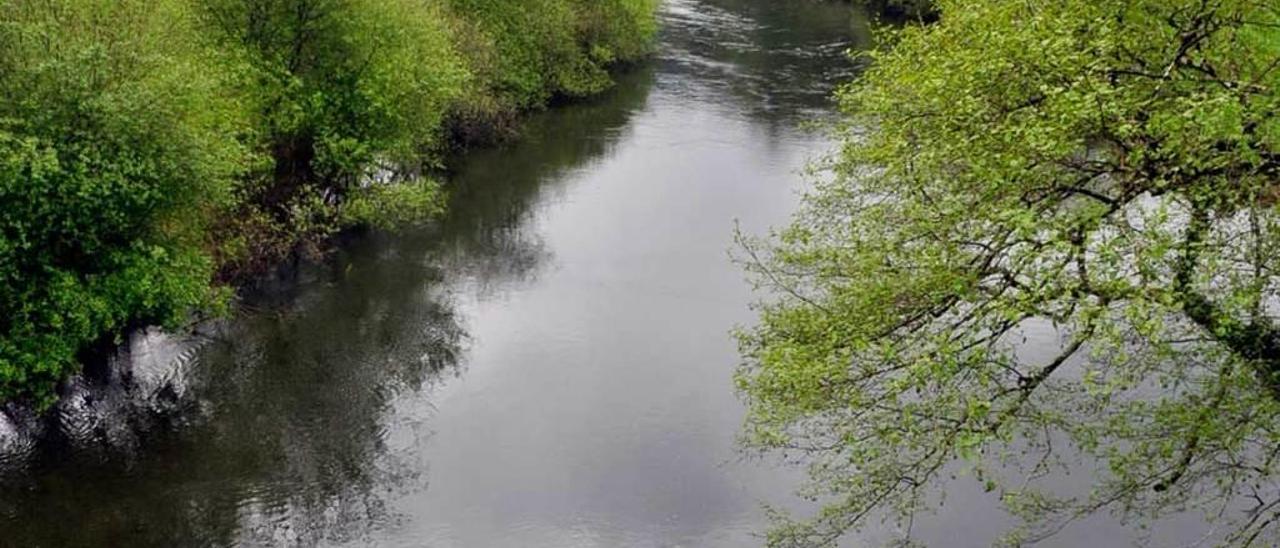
(298, 439)
(549, 366)
(779, 62)
(495, 192)
(597, 409)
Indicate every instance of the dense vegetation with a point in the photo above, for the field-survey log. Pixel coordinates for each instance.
(1096, 178)
(150, 150)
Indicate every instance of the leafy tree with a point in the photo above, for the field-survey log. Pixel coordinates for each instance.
(113, 155)
(1106, 171)
(148, 147)
(339, 82)
(342, 89)
(349, 91)
(523, 53)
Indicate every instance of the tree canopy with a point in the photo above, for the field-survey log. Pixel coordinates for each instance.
(153, 150)
(115, 146)
(1103, 173)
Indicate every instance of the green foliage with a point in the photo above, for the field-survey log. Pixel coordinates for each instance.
(1103, 172)
(113, 151)
(524, 52)
(346, 83)
(342, 90)
(146, 146)
(387, 206)
(350, 90)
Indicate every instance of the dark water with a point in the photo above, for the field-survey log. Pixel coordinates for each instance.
(550, 366)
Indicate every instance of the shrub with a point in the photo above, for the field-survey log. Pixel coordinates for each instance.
(147, 147)
(113, 152)
(525, 52)
(341, 88)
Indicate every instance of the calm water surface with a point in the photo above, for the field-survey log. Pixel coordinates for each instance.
(551, 366)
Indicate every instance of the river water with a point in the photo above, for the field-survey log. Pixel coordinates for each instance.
(549, 366)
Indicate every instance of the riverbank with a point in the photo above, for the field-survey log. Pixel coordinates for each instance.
(153, 157)
(546, 365)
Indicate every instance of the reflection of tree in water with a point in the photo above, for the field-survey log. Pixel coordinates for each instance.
(299, 439)
(486, 236)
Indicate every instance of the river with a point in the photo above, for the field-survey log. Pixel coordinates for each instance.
(548, 366)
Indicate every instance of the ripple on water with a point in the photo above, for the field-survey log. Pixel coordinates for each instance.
(108, 409)
(16, 445)
(765, 70)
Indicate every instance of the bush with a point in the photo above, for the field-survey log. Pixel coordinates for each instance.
(340, 89)
(388, 206)
(523, 53)
(113, 152)
(149, 147)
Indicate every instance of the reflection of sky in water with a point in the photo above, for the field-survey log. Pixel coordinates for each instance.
(777, 62)
(548, 367)
(596, 408)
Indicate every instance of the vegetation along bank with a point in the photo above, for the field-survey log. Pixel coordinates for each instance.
(154, 153)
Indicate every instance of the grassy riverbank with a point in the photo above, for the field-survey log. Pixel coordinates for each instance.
(152, 154)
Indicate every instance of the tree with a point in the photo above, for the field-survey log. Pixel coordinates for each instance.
(114, 154)
(523, 53)
(355, 99)
(343, 91)
(152, 150)
(1106, 170)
